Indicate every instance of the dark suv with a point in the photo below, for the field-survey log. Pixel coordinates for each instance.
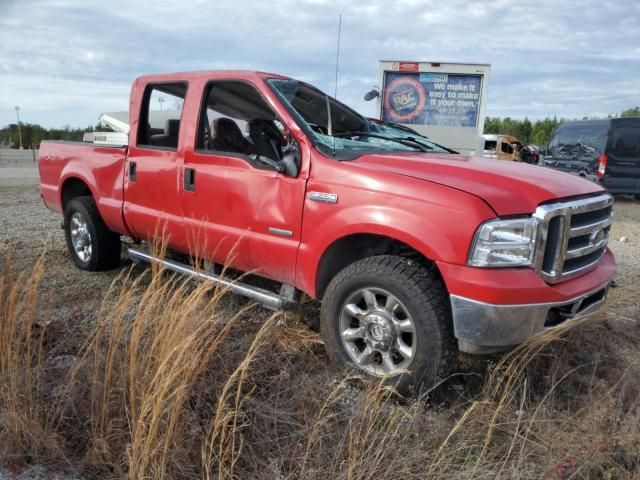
(606, 151)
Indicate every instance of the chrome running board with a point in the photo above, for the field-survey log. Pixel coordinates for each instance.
(265, 297)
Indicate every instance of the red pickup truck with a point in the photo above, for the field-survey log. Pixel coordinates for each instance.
(415, 252)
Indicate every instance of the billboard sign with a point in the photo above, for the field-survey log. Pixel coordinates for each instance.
(428, 98)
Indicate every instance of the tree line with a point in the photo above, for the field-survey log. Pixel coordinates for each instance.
(32, 134)
(538, 132)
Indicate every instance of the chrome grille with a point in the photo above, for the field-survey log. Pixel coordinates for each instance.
(573, 236)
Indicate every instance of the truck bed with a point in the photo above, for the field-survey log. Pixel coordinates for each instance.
(99, 170)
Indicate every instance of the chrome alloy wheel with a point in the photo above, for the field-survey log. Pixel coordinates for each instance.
(80, 237)
(377, 332)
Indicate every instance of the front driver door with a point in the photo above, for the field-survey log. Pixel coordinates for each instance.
(237, 211)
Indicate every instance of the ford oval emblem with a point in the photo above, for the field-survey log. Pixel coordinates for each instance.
(597, 236)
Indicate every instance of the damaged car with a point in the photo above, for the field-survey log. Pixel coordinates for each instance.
(605, 151)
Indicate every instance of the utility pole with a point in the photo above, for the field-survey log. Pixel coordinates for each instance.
(19, 132)
(160, 101)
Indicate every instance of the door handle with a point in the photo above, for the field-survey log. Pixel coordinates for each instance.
(189, 180)
(132, 171)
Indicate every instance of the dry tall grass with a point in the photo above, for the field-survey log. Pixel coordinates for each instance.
(25, 427)
(123, 406)
(175, 383)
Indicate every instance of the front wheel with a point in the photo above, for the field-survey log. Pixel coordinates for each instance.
(387, 316)
(91, 244)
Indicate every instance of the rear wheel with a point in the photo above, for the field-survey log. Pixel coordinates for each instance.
(91, 244)
(387, 316)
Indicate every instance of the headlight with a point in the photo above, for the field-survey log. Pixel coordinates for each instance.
(505, 243)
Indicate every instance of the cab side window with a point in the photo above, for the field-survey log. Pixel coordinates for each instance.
(160, 115)
(490, 145)
(236, 119)
(506, 148)
(625, 141)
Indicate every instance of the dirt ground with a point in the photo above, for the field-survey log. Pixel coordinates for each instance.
(28, 230)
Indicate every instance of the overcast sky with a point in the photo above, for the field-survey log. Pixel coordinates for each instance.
(66, 61)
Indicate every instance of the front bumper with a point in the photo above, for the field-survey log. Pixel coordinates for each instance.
(485, 327)
(497, 309)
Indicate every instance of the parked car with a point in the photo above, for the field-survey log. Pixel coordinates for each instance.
(503, 147)
(530, 154)
(605, 151)
(537, 148)
(414, 252)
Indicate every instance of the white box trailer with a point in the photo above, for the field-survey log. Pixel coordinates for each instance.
(443, 101)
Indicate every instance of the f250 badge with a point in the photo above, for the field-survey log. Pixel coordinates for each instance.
(323, 197)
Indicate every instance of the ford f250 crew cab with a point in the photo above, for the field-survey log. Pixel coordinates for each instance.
(415, 252)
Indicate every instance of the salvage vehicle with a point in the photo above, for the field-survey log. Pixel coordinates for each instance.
(530, 154)
(415, 252)
(606, 151)
(502, 147)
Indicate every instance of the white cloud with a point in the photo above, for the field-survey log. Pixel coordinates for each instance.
(62, 101)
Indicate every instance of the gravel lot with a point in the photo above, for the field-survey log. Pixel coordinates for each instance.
(28, 230)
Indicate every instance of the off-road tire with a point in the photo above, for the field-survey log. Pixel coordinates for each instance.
(424, 295)
(105, 244)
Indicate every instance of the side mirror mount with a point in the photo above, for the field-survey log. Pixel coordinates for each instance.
(291, 157)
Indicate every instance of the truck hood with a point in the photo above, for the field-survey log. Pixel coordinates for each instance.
(510, 188)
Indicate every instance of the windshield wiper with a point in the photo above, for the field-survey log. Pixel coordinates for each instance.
(409, 142)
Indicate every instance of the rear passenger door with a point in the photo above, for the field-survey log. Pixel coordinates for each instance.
(623, 152)
(152, 194)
